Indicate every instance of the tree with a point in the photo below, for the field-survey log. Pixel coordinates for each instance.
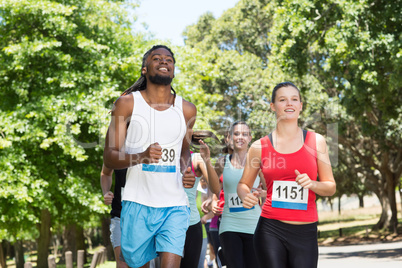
(352, 49)
(61, 65)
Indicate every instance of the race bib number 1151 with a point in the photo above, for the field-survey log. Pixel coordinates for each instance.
(289, 195)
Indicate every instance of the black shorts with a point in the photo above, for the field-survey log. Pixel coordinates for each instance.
(281, 245)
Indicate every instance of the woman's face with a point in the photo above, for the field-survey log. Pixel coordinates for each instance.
(241, 136)
(287, 103)
(229, 141)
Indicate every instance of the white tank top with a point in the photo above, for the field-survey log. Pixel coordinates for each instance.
(156, 185)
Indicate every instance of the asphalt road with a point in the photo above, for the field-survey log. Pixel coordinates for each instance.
(378, 255)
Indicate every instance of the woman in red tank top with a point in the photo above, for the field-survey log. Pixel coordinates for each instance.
(290, 159)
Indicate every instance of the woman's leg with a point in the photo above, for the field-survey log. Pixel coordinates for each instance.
(269, 247)
(232, 247)
(192, 246)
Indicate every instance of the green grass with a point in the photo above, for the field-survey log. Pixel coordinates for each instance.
(108, 264)
(348, 231)
(351, 225)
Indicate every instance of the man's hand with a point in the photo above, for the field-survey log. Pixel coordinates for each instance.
(152, 154)
(188, 178)
(108, 198)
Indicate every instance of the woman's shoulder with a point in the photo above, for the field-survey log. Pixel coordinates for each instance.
(321, 143)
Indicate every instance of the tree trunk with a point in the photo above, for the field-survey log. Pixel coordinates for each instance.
(56, 244)
(390, 179)
(361, 201)
(106, 236)
(400, 196)
(19, 254)
(331, 204)
(385, 212)
(44, 238)
(87, 235)
(3, 256)
(339, 205)
(391, 186)
(80, 240)
(69, 241)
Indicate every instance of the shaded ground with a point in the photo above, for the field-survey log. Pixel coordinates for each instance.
(360, 240)
(383, 254)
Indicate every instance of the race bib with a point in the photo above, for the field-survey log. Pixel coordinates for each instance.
(235, 204)
(289, 195)
(167, 163)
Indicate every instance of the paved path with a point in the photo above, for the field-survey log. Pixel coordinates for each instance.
(382, 255)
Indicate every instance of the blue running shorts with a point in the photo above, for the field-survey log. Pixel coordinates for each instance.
(148, 230)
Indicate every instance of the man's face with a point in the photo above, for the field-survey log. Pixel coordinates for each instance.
(159, 67)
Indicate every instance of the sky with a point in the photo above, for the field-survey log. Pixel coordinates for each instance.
(167, 19)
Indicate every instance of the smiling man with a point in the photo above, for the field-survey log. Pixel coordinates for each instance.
(149, 134)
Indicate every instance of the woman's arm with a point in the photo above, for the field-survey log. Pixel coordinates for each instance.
(213, 173)
(325, 185)
(250, 173)
(200, 165)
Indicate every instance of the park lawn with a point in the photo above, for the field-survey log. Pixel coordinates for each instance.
(353, 227)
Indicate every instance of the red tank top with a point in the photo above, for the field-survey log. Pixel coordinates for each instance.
(286, 200)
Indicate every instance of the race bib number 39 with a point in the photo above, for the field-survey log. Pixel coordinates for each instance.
(165, 165)
(235, 203)
(289, 195)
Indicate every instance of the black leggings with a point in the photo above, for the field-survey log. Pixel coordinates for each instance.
(192, 246)
(238, 250)
(282, 245)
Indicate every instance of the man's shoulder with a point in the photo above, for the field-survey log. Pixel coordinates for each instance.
(125, 99)
(188, 105)
(124, 104)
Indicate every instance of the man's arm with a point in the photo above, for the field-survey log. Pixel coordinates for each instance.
(113, 155)
(106, 183)
(190, 113)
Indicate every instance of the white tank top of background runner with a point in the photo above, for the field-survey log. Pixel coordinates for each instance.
(160, 184)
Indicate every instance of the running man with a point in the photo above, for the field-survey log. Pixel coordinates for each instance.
(155, 149)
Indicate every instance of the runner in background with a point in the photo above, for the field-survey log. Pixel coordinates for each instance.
(114, 199)
(214, 204)
(238, 224)
(193, 244)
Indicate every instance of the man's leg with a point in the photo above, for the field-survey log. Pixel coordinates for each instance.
(169, 260)
(119, 263)
(145, 266)
(172, 235)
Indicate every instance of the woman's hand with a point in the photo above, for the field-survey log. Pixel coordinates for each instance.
(251, 199)
(216, 209)
(204, 151)
(261, 192)
(206, 206)
(304, 180)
